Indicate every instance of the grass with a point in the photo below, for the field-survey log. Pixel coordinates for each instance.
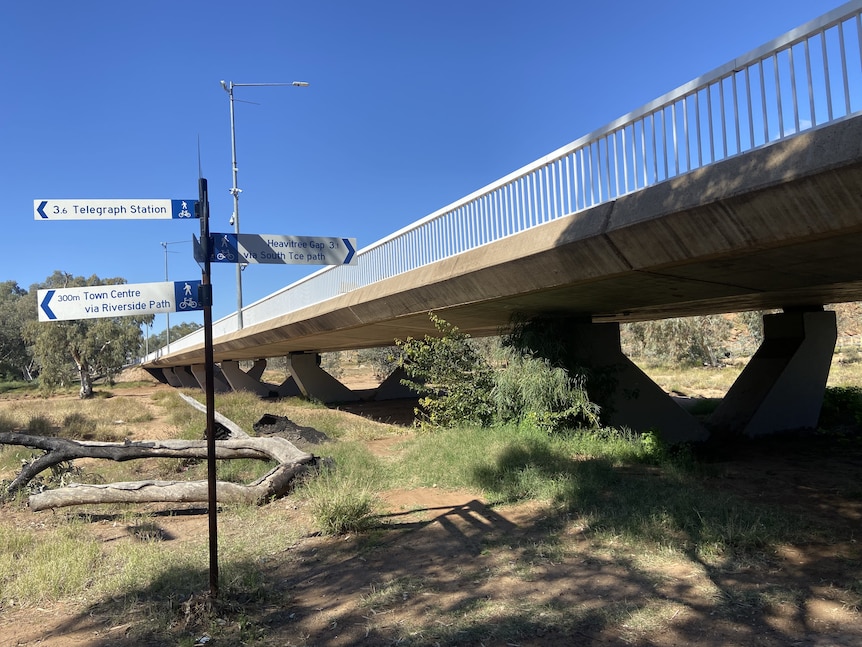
(608, 495)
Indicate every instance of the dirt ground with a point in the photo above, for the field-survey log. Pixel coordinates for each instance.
(445, 568)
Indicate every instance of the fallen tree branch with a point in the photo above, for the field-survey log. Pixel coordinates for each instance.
(289, 457)
(273, 485)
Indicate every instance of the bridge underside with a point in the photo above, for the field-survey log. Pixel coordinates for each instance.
(777, 228)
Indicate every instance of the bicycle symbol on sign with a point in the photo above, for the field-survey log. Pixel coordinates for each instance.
(184, 212)
(225, 253)
(187, 301)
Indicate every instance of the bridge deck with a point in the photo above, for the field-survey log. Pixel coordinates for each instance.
(780, 226)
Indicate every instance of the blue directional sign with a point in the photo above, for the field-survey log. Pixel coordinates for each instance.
(113, 209)
(278, 249)
(122, 300)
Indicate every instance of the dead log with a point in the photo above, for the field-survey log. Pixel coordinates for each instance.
(58, 450)
(273, 485)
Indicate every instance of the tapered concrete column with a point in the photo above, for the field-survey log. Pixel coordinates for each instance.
(157, 374)
(220, 384)
(392, 389)
(782, 387)
(185, 377)
(314, 382)
(631, 399)
(171, 377)
(240, 380)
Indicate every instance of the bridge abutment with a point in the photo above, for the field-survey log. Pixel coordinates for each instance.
(782, 387)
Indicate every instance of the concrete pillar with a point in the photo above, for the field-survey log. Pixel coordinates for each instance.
(240, 380)
(782, 387)
(171, 377)
(220, 384)
(185, 377)
(392, 389)
(314, 382)
(627, 395)
(157, 374)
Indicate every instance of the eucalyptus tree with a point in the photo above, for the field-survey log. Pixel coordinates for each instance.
(83, 349)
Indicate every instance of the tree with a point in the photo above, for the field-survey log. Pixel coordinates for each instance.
(96, 347)
(15, 311)
(160, 340)
(700, 340)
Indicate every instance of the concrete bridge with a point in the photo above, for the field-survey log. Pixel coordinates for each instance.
(741, 190)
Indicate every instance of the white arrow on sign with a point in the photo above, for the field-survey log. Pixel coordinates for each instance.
(121, 300)
(113, 209)
(275, 248)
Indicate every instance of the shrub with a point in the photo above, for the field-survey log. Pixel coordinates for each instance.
(449, 373)
(341, 501)
(40, 426)
(842, 406)
(530, 390)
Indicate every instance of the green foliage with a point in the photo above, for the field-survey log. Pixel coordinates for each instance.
(842, 406)
(454, 379)
(82, 349)
(382, 360)
(341, 500)
(530, 390)
(689, 341)
(16, 309)
(160, 339)
(460, 385)
(654, 447)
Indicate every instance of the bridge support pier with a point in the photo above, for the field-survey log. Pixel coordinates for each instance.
(180, 377)
(316, 383)
(392, 389)
(782, 387)
(627, 395)
(220, 384)
(240, 380)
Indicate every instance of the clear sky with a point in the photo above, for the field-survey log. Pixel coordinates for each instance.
(411, 105)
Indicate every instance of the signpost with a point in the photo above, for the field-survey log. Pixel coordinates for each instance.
(173, 296)
(121, 300)
(113, 209)
(279, 249)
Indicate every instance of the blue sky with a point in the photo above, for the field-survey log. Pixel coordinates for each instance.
(411, 105)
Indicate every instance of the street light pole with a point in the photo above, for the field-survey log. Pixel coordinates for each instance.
(167, 314)
(235, 190)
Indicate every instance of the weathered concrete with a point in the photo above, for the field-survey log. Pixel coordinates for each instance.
(171, 377)
(314, 382)
(782, 387)
(220, 384)
(392, 389)
(240, 380)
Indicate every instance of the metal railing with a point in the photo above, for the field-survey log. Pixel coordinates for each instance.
(809, 77)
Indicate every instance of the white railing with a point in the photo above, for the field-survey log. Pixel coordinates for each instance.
(807, 78)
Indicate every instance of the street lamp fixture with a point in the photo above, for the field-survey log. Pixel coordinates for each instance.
(228, 87)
